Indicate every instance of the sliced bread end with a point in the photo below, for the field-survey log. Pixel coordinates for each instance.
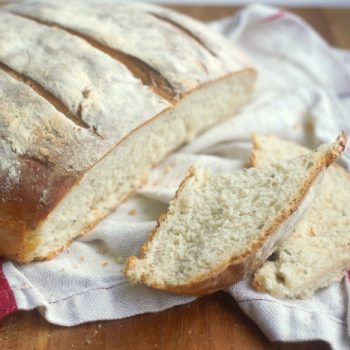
(316, 254)
(221, 270)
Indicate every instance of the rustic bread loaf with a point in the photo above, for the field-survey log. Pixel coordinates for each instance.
(219, 228)
(92, 95)
(317, 253)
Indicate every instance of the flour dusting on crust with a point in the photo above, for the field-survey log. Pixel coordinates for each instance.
(9, 166)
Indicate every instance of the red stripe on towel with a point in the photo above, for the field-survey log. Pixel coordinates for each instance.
(349, 276)
(274, 17)
(7, 299)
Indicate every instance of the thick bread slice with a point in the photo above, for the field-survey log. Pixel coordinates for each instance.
(220, 228)
(89, 105)
(317, 253)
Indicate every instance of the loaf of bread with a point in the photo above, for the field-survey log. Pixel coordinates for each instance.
(92, 95)
(317, 253)
(219, 228)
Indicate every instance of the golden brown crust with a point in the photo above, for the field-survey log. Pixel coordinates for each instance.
(23, 207)
(236, 269)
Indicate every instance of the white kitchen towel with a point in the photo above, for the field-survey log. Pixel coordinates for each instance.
(289, 3)
(303, 94)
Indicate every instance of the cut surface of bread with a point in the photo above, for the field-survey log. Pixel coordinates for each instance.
(126, 167)
(92, 95)
(317, 253)
(219, 228)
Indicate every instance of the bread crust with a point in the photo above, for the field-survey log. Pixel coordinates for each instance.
(23, 210)
(234, 270)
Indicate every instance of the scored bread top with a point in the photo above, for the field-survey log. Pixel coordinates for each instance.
(76, 79)
(182, 51)
(96, 90)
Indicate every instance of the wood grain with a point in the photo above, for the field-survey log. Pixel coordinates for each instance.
(210, 323)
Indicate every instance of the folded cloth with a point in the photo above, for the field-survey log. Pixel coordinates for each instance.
(303, 94)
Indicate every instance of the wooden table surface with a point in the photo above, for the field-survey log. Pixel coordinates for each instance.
(209, 323)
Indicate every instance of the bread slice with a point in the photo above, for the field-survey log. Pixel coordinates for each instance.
(219, 228)
(317, 253)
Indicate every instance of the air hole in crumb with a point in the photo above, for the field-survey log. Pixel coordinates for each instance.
(273, 257)
(86, 93)
(280, 278)
(287, 252)
(309, 165)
